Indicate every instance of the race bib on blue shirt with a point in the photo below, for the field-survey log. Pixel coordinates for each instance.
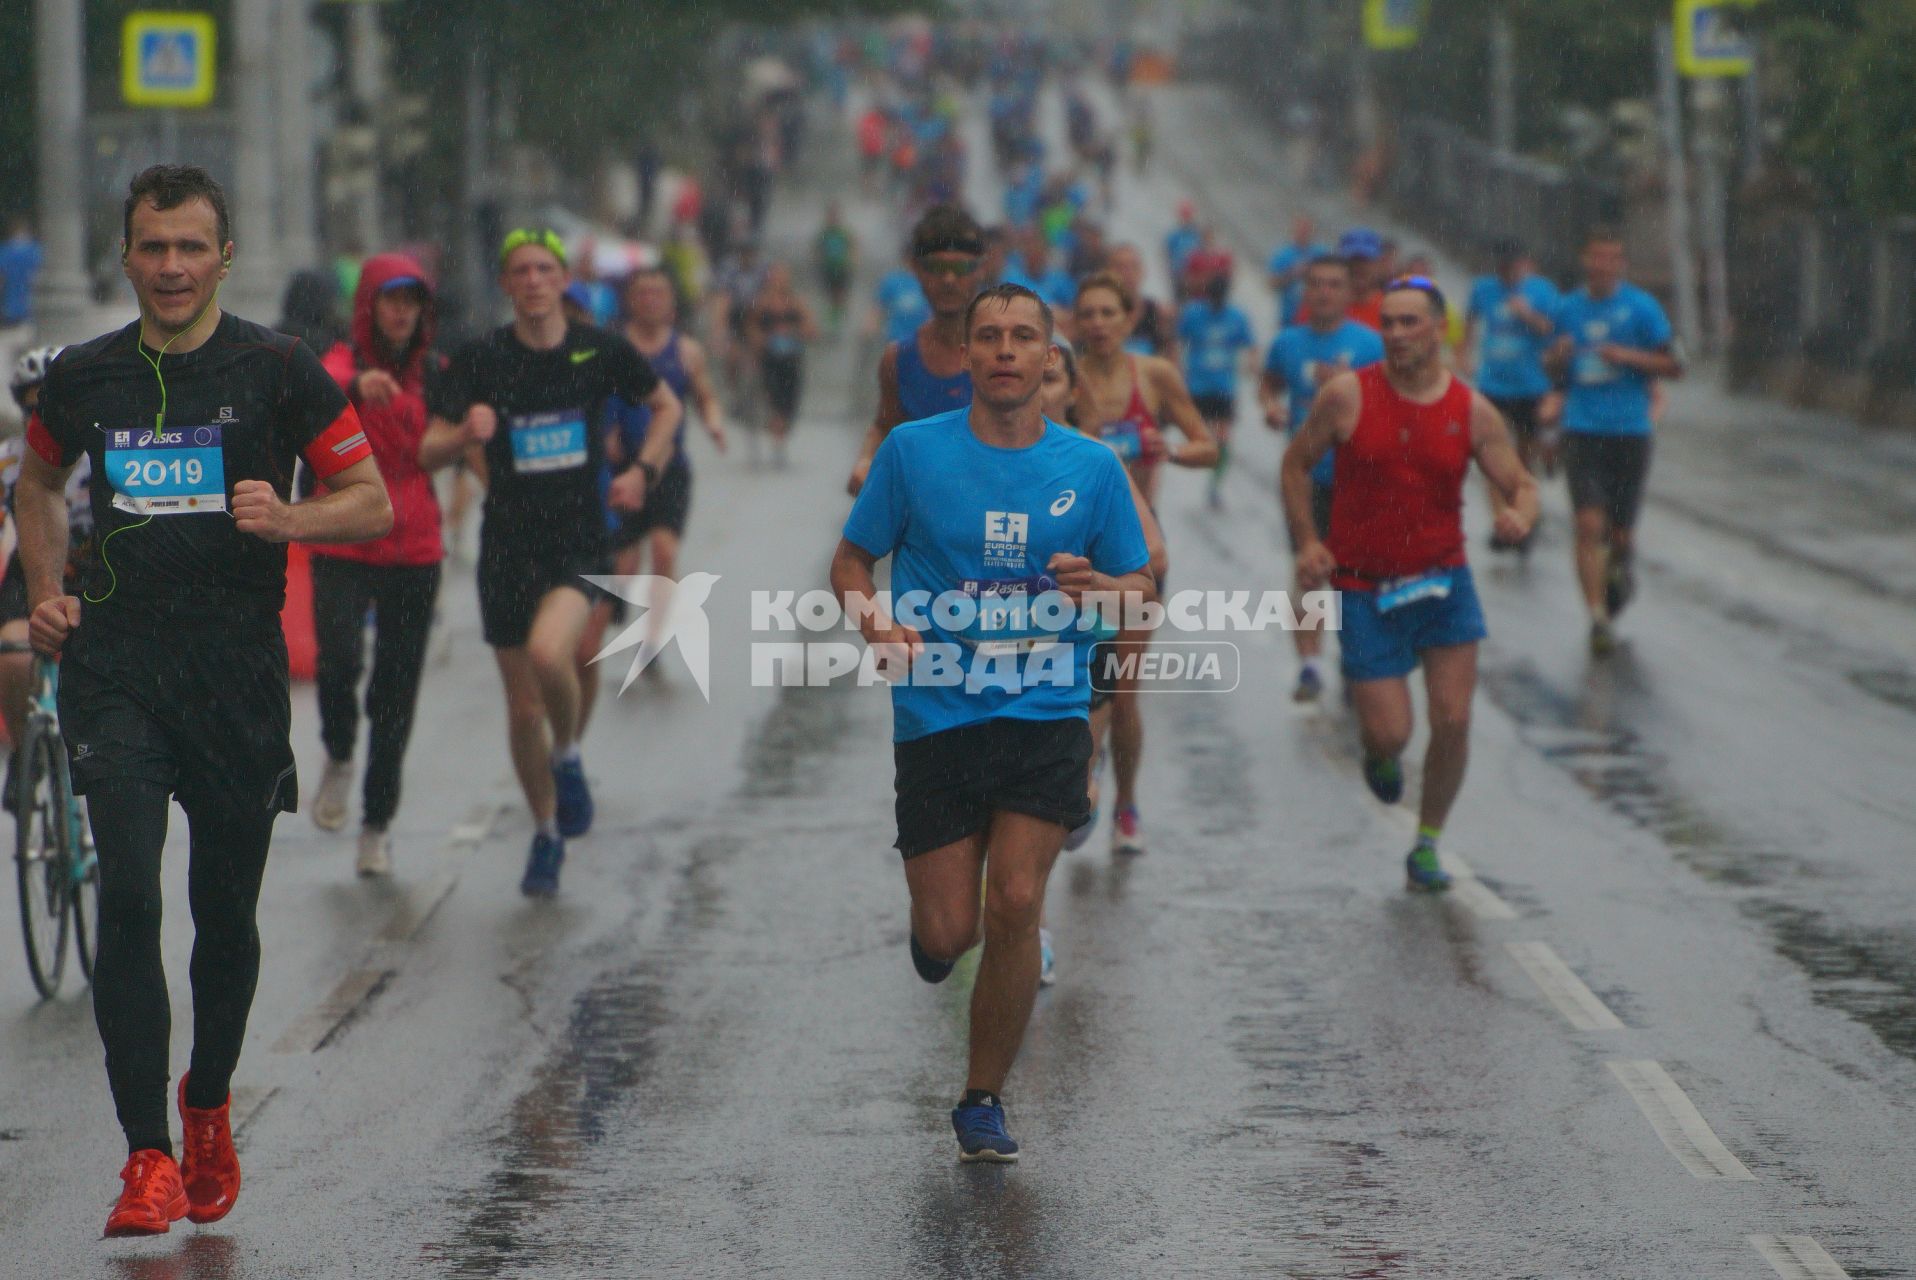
(176, 471)
(1007, 619)
(543, 442)
(1125, 437)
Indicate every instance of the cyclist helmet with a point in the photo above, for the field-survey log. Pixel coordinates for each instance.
(30, 370)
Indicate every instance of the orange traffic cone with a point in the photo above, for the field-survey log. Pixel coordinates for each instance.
(296, 619)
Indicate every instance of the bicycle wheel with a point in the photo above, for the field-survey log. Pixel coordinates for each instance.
(85, 892)
(41, 859)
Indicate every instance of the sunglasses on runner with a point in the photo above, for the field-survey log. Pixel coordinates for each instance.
(948, 267)
(544, 237)
(1422, 284)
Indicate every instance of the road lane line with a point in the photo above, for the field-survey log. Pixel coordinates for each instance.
(478, 824)
(418, 906)
(247, 1100)
(1474, 893)
(314, 1029)
(1677, 1121)
(1798, 1258)
(1577, 1003)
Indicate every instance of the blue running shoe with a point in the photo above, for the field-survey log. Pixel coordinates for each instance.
(929, 968)
(1310, 686)
(1422, 872)
(1047, 959)
(575, 798)
(1385, 778)
(542, 867)
(982, 1136)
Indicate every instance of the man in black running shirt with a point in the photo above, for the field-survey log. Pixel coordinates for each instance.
(526, 404)
(173, 666)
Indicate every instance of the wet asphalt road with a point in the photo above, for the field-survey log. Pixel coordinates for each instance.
(1667, 1029)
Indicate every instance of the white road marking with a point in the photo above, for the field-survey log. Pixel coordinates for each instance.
(1474, 893)
(314, 1029)
(418, 906)
(1798, 1258)
(1577, 1003)
(1677, 1121)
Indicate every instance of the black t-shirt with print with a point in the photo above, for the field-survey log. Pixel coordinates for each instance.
(543, 464)
(247, 404)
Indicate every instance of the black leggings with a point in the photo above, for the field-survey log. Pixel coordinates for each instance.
(227, 863)
(401, 597)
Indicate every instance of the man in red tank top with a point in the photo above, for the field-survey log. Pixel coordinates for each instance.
(1405, 432)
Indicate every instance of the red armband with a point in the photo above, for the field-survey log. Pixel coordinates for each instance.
(42, 442)
(338, 446)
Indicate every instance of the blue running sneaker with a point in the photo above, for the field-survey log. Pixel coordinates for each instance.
(1422, 872)
(1047, 959)
(542, 867)
(575, 798)
(982, 1136)
(1310, 686)
(929, 968)
(1385, 778)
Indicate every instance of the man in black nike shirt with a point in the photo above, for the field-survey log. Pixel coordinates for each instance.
(173, 665)
(526, 405)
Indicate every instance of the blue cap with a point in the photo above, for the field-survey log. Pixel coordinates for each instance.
(403, 282)
(1360, 242)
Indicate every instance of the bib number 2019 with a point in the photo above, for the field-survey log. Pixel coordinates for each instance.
(176, 472)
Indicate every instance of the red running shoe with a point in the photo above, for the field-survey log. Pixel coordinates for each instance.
(153, 1199)
(211, 1167)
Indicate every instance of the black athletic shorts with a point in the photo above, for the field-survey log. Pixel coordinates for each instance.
(1607, 472)
(666, 507)
(1215, 408)
(205, 713)
(784, 383)
(1521, 413)
(949, 783)
(1320, 513)
(519, 567)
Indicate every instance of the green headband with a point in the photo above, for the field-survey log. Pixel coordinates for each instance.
(544, 237)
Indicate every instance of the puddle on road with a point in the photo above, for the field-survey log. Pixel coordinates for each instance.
(550, 1154)
(1867, 974)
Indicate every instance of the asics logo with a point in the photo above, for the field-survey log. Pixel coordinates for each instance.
(580, 357)
(1063, 504)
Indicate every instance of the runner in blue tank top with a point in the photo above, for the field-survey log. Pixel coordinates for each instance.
(651, 310)
(925, 375)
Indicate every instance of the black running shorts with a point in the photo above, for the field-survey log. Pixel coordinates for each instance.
(950, 783)
(206, 714)
(519, 568)
(1607, 472)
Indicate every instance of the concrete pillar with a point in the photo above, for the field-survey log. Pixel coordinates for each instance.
(259, 271)
(62, 297)
(298, 207)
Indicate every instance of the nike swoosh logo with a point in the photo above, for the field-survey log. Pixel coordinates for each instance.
(580, 357)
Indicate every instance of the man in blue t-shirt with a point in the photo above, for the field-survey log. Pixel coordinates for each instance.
(1510, 319)
(1303, 358)
(1034, 267)
(1213, 336)
(997, 523)
(1287, 267)
(1614, 341)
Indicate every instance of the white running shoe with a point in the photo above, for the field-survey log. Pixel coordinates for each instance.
(375, 853)
(330, 802)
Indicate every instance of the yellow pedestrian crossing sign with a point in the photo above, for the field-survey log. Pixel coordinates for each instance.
(166, 59)
(1710, 40)
(1392, 24)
